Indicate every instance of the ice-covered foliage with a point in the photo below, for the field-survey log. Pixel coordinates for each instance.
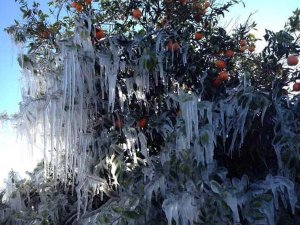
(136, 130)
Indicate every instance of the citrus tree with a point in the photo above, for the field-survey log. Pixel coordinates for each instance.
(151, 112)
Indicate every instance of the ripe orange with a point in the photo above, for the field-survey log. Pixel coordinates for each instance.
(118, 124)
(223, 76)
(175, 46)
(243, 48)
(136, 14)
(74, 4)
(251, 48)
(243, 42)
(170, 45)
(292, 60)
(79, 7)
(142, 122)
(99, 33)
(229, 53)
(296, 86)
(216, 82)
(198, 36)
(45, 34)
(206, 5)
(88, 2)
(220, 64)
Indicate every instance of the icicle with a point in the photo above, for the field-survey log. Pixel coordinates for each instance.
(184, 48)
(189, 110)
(231, 201)
(143, 145)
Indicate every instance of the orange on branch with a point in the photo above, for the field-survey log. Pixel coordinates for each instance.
(296, 86)
(79, 8)
(100, 33)
(243, 42)
(170, 45)
(220, 64)
(229, 53)
(243, 48)
(292, 60)
(175, 46)
(88, 2)
(223, 76)
(198, 36)
(45, 34)
(118, 124)
(136, 14)
(142, 123)
(251, 48)
(74, 4)
(216, 82)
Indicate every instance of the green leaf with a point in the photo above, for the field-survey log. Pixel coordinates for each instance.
(215, 187)
(131, 214)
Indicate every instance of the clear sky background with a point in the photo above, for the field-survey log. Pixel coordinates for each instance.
(270, 14)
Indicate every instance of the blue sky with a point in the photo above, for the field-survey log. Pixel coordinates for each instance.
(9, 70)
(271, 14)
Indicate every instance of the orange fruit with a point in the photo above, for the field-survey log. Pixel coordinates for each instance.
(175, 46)
(136, 14)
(223, 76)
(79, 8)
(243, 42)
(251, 48)
(118, 124)
(99, 33)
(206, 5)
(45, 34)
(216, 82)
(74, 4)
(170, 45)
(198, 36)
(220, 64)
(292, 60)
(243, 48)
(229, 53)
(88, 2)
(142, 122)
(296, 86)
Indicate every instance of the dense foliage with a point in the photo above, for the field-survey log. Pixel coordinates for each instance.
(151, 112)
